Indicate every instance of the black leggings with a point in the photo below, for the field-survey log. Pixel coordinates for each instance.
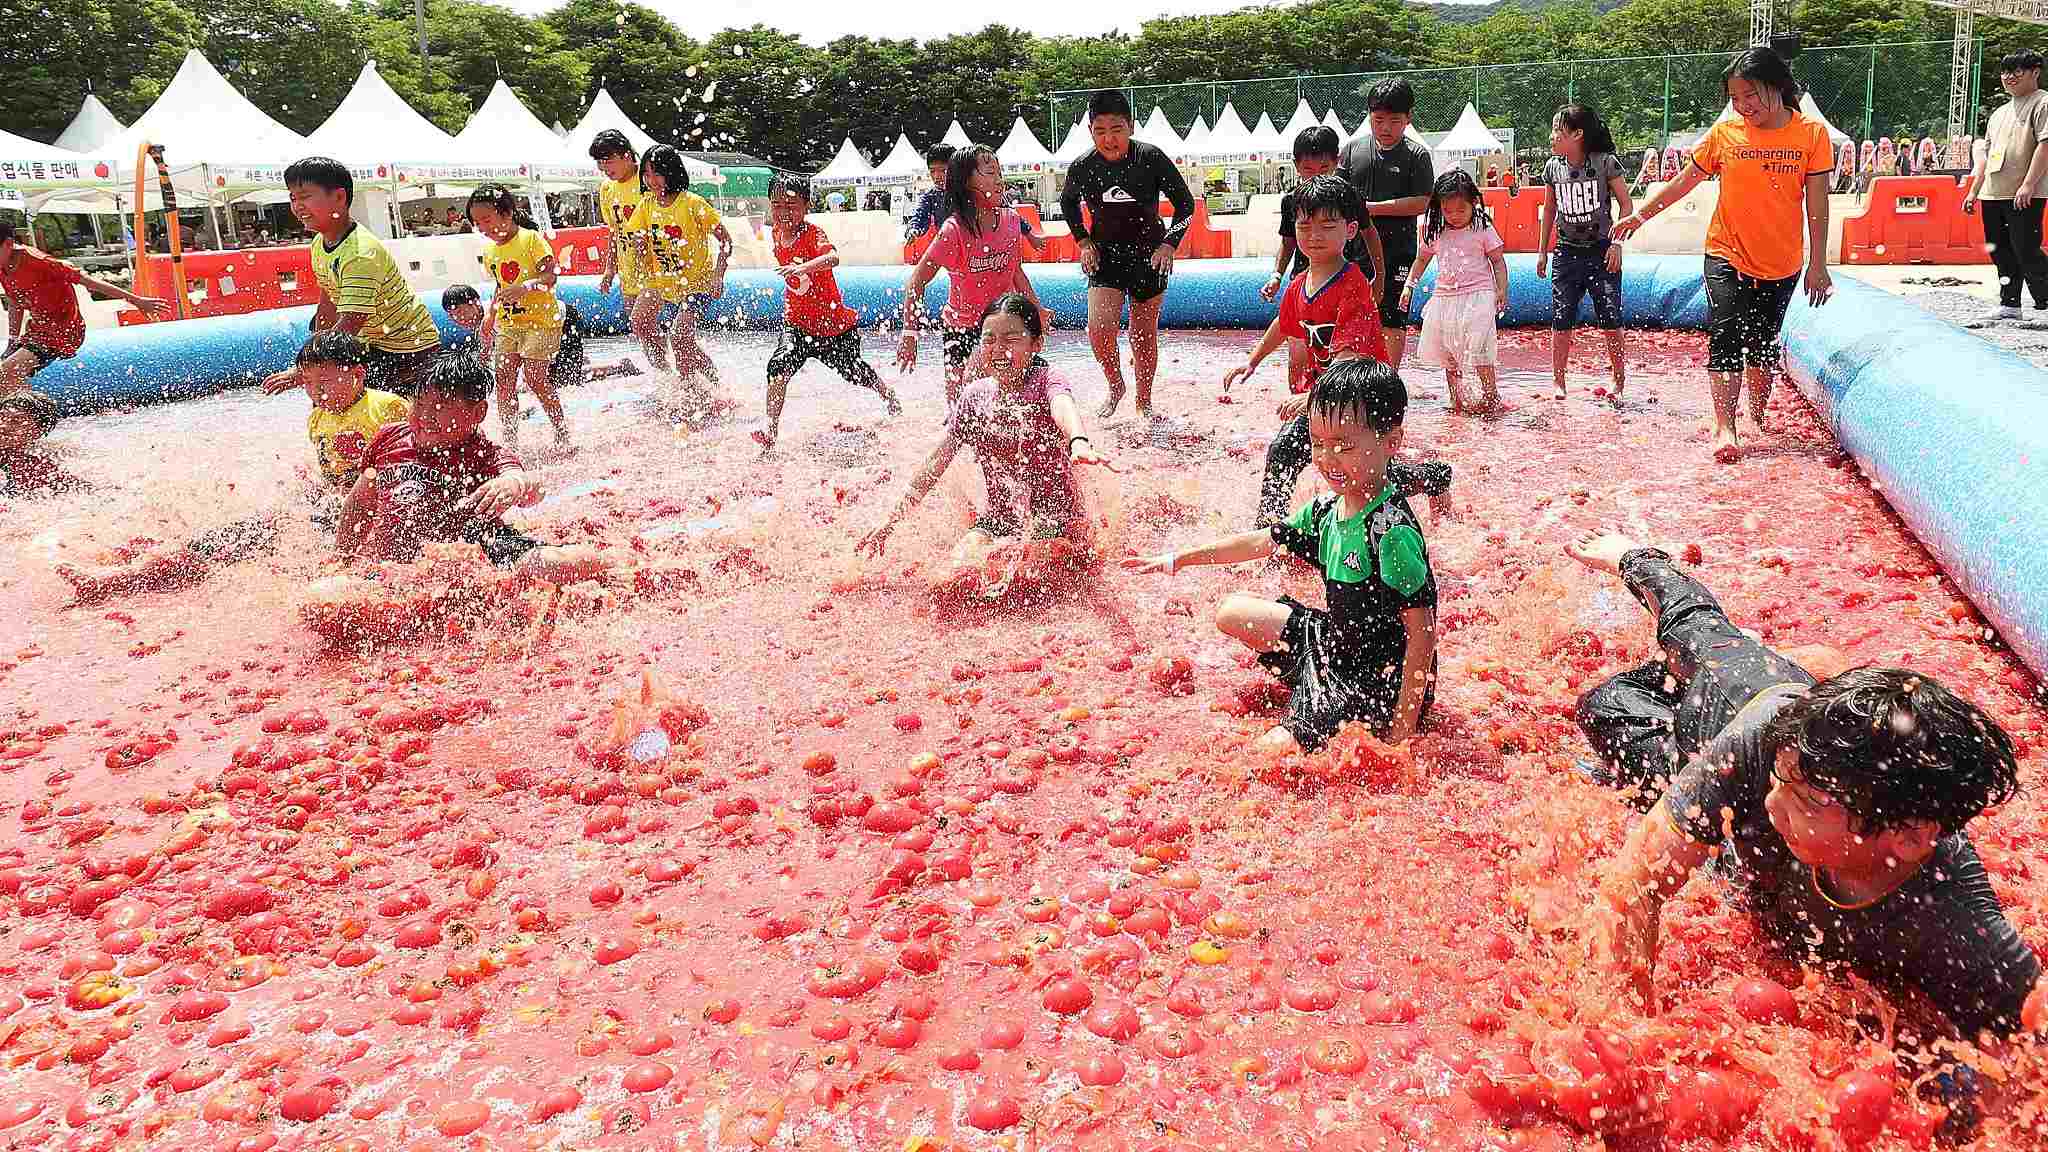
(1646, 722)
(2015, 235)
(1745, 316)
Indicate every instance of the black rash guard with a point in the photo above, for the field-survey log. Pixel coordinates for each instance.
(1123, 198)
(1942, 931)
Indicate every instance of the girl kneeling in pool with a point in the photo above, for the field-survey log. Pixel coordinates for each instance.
(1026, 432)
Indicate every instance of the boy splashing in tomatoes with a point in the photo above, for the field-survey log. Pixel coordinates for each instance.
(1837, 807)
(1371, 655)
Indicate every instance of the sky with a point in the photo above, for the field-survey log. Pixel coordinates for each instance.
(819, 21)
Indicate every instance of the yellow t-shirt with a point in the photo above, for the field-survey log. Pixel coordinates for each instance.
(1760, 223)
(616, 200)
(358, 275)
(339, 438)
(515, 260)
(679, 234)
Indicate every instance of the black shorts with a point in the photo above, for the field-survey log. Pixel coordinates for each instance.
(840, 353)
(401, 373)
(503, 545)
(959, 344)
(1393, 317)
(1008, 525)
(1128, 269)
(44, 356)
(1324, 699)
(1577, 272)
(1745, 316)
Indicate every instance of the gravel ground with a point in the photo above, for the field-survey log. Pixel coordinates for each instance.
(1946, 297)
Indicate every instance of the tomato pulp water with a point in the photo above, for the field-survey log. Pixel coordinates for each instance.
(890, 874)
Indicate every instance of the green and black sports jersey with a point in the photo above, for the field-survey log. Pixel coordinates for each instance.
(1375, 566)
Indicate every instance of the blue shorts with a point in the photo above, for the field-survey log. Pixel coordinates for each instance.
(698, 304)
(1576, 272)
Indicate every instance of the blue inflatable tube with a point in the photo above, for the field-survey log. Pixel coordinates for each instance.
(154, 362)
(1952, 430)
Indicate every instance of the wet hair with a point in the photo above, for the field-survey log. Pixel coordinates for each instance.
(332, 346)
(322, 172)
(6, 231)
(1363, 389)
(609, 143)
(462, 376)
(938, 154)
(456, 295)
(1019, 305)
(1315, 141)
(503, 201)
(1326, 193)
(2024, 60)
(1394, 95)
(960, 184)
(665, 161)
(1765, 68)
(1894, 747)
(1582, 117)
(790, 184)
(1456, 182)
(1110, 102)
(37, 406)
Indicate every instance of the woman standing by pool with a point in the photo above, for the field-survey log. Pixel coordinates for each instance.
(1771, 161)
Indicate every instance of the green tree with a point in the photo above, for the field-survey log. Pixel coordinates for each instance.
(638, 56)
(766, 82)
(295, 59)
(126, 51)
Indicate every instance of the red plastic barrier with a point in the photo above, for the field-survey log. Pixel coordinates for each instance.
(231, 283)
(580, 251)
(1518, 218)
(1914, 220)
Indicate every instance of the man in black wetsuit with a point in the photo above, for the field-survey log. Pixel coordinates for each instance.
(1836, 808)
(1126, 250)
(1394, 177)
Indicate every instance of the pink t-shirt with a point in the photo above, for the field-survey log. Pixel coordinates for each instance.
(982, 266)
(1461, 258)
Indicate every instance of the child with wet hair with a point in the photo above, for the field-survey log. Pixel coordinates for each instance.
(436, 477)
(25, 418)
(1370, 655)
(1025, 430)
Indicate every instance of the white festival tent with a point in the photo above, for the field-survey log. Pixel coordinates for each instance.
(558, 130)
(848, 167)
(1267, 138)
(1229, 143)
(91, 127)
(26, 162)
(1158, 132)
(956, 136)
(1808, 109)
(1335, 123)
(605, 113)
(1468, 138)
(504, 140)
(375, 128)
(212, 136)
(903, 165)
(1303, 119)
(1077, 144)
(1198, 132)
(1021, 151)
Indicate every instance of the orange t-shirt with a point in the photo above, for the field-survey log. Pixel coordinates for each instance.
(1760, 225)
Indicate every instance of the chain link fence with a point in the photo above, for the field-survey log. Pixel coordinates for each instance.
(1868, 91)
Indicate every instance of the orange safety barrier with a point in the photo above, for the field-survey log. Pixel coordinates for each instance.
(231, 283)
(1518, 218)
(1914, 220)
(580, 251)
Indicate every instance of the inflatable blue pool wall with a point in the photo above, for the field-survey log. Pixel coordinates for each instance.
(154, 362)
(1951, 430)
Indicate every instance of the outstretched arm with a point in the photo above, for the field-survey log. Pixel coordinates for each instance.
(1254, 545)
(920, 487)
(1653, 865)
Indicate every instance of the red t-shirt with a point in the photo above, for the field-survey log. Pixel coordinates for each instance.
(1343, 318)
(47, 288)
(441, 476)
(812, 304)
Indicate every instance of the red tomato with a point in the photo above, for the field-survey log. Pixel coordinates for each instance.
(844, 980)
(305, 1103)
(1101, 1070)
(993, 1111)
(197, 1005)
(237, 900)
(462, 1117)
(898, 1032)
(647, 1076)
(1765, 1002)
(613, 949)
(1708, 1103)
(961, 1059)
(722, 1011)
(1591, 1072)
(1068, 995)
(1112, 1020)
(919, 958)
(418, 934)
(1336, 1055)
(2034, 1013)
(605, 893)
(1311, 995)
(555, 1102)
(1859, 1104)
(1174, 1043)
(890, 817)
(1002, 1035)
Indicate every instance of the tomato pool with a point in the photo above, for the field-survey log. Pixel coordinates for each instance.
(755, 846)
